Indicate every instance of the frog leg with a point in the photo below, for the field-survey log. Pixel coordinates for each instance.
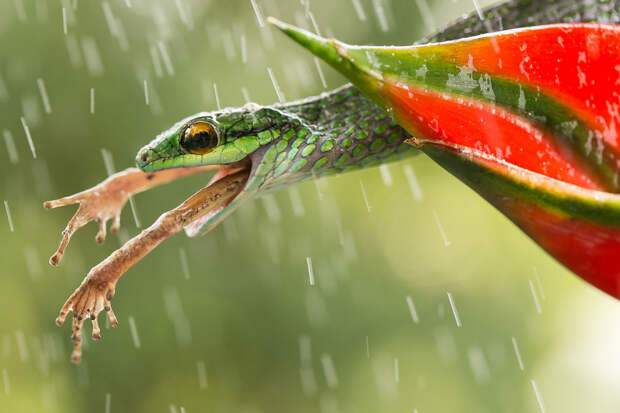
(106, 200)
(98, 287)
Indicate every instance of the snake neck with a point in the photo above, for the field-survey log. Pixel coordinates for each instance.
(343, 130)
(329, 134)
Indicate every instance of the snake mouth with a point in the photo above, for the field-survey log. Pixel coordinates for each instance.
(223, 187)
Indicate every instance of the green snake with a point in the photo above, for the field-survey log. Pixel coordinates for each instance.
(336, 132)
(257, 149)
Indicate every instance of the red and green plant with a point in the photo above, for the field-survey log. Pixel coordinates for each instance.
(528, 118)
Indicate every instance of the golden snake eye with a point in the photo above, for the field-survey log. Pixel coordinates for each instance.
(199, 138)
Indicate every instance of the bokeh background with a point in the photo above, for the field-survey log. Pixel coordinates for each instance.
(229, 322)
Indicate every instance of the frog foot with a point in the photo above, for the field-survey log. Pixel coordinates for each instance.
(100, 203)
(88, 300)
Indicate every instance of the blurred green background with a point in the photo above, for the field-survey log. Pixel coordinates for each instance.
(243, 330)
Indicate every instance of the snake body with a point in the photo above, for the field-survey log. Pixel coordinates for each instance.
(344, 130)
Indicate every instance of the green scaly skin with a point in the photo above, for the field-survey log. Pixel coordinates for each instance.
(338, 131)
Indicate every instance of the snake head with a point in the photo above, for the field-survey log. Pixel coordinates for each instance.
(234, 139)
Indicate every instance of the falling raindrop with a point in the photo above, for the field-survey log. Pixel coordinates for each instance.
(245, 94)
(329, 371)
(396, 371)
(478, 364)
(244, 51)
(427, 15)
(365, 197)
(73, 49)
(271, 207)
(313, 22)
(298, 206)
(8, 215)
(29, 137)
(165, 58)
(539, 284)
(109, 18)
(317, 63)
(92, 100)
(279, 93)
(517, 353)
(44, 97)
(478, 9)
(454, 311)
(412, 311)
(159, 71)
(182, 329)
(5, 379)
(94, 64)
(385, 175)
(228, 44)
(134, 332)
(21, 11)
(217, 97)
(446, 242)
(305, 350)
(108, 402)
(108, 161)
(10, 146)
(310, 271)
(258, 14)
(184, 15)
(535, 296)
(413, 183)
(359, 10)
(146, 92)
(320, 185)
(134, 212)
(184, 263)
(538, 396)
(64, 20)
(381, 17)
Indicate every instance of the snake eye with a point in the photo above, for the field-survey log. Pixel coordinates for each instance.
(199, 138)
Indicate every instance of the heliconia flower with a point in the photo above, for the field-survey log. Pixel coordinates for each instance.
(528, 118)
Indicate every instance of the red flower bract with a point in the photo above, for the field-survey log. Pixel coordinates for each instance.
(528, 118)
